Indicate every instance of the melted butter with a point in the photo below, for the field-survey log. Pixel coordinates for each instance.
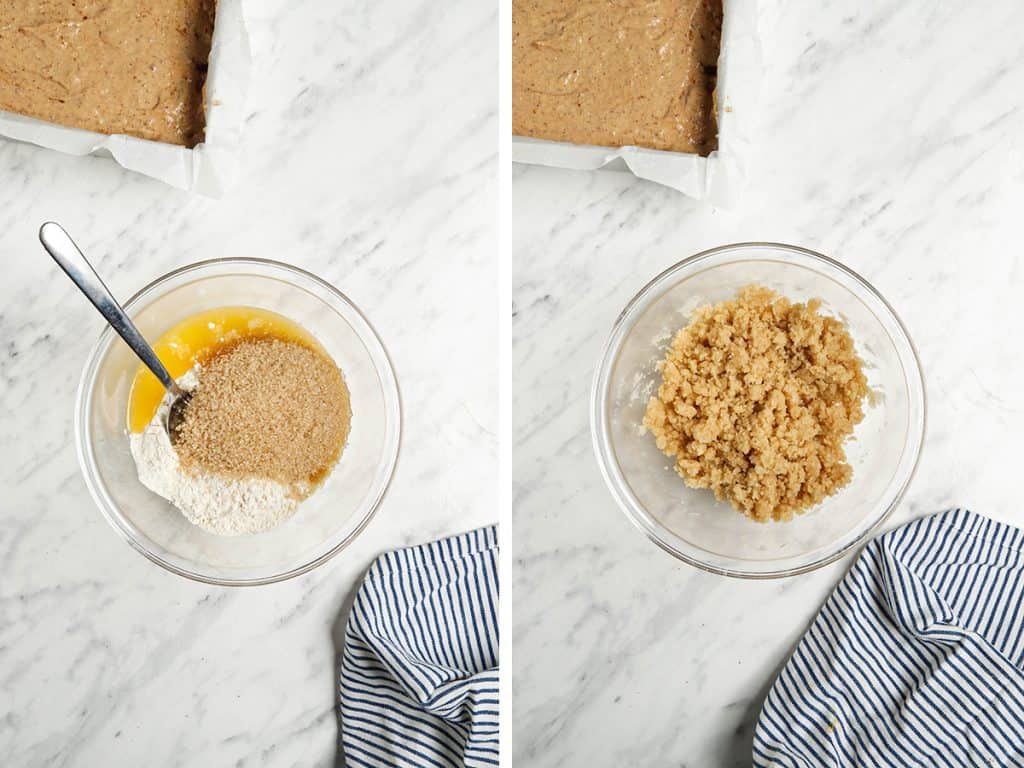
(198, 338)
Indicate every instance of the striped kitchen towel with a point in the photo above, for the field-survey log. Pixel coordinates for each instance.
(419, 673)
(917, 658)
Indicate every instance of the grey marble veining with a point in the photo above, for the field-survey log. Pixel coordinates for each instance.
(892, 141)
(369, 159)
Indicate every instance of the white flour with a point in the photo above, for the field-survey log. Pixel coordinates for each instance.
(224, 506)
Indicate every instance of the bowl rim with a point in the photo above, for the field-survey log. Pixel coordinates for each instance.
(392, 403)
(608, 465)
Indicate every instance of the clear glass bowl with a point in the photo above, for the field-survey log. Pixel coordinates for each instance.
(332, 516)
(691, 524)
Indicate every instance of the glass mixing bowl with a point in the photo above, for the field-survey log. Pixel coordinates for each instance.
(325, 522)
(690, 523)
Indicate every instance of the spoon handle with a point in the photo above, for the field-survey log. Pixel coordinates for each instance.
(62, 248)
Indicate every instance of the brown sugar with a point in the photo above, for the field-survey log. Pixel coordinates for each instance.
(116, 66)
(617, 73)
(267, 408)
(758, 395)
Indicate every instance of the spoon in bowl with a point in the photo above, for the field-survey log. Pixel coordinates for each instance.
(62, 248)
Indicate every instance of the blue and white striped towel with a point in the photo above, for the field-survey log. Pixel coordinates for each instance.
(419, 674)
(917, 658)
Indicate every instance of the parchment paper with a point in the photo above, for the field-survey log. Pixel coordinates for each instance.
(717, 178)
(209, 167)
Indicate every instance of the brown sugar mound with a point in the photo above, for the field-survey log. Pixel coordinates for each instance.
(617, 73)
(267, 408)
(110, 66)
(757, 396)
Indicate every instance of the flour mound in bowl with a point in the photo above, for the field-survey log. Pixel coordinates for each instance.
(758, 395)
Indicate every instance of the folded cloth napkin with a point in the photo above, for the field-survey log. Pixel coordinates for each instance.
(917, 658)
(419, 673)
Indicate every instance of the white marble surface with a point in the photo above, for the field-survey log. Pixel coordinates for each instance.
(370, 159)
(892, 140)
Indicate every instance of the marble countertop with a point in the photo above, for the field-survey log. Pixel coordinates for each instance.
(892, 140)
(104, 658)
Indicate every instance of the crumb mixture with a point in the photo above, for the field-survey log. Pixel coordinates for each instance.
(617, 72)
(111, 66)
(757, 396)
(267, 408)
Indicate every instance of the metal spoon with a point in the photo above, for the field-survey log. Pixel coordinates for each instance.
(62, 248)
